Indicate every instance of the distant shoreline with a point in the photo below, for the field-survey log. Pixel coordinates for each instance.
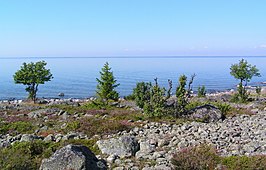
(91, 98)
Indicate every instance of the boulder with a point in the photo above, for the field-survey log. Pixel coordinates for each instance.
(124, 146)
(206, 113)
(74, 157)
(36, 114)
(28, 138)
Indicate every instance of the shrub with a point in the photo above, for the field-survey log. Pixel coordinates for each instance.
(72, 126)
(201, 91)
(155, 107)
(16, 127)
(25, 155)
(182, 95)
(257, 162)
(142, 93)
(197, 158)
(223, 107)
(204, 157)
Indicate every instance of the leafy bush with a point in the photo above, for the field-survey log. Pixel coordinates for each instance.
(223, 107)
(179, 108)
(153, 100)
(201, 91)
(142, 93)
(25, 155)
(28, 155)
(156, 105)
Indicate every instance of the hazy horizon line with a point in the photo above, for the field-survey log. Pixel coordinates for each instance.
(189, 56)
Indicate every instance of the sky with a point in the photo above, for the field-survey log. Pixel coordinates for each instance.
(105, 28)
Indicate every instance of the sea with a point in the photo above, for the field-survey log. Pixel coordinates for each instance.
(76, 76)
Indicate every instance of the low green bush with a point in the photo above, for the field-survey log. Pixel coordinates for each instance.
(28, 155)
(245, 162)
(16, 127)
(72, 126)
(201, 91)
(223, 107)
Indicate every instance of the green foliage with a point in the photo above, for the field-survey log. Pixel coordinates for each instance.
(25, 155)
(242, 94)
(194, 104)
(156, 105)
(32, 75)
(142, 93)
(130, 97)
(28, 155)
(201, 91)
(106, 85)
(16, 127)
(182, 95)
(73, 126)
(245, 162)
(153, 100)
(223, 107)
(244, 72)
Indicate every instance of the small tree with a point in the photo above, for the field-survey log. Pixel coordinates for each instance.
(106, 85)
(32, 75)
(244, 72)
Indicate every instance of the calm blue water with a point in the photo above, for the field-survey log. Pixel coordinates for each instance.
(76, 77)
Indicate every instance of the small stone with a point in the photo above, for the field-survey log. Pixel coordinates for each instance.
(111, 158)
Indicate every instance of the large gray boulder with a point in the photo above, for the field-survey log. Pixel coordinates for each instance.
(74, 157)
(206, 113)
(124, 146)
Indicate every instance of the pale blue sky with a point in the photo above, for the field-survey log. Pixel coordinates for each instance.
(84, 28)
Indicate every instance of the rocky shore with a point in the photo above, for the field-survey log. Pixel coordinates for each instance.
(147, 144)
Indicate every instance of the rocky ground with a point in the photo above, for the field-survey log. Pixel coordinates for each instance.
(147, 144)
